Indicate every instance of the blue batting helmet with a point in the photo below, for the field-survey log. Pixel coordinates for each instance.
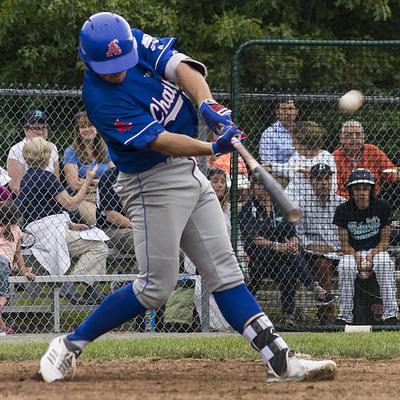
(106, 44)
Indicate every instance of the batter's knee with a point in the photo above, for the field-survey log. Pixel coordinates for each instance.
(152, 296)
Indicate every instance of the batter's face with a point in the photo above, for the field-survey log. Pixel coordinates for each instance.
(37, 130)
(352, 139)
(114, 78)
(86, 130)
(361, 195)
(218, 182)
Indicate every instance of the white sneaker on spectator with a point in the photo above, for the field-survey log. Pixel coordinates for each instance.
(303, 368)
(59, 361)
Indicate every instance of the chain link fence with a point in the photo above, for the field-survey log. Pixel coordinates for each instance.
(75, 269)
(285, 97)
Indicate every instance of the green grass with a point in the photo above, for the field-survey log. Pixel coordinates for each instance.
(380, 345)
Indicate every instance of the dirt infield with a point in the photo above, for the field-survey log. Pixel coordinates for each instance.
(197, 379)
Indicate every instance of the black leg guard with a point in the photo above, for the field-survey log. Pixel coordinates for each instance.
(273, 349)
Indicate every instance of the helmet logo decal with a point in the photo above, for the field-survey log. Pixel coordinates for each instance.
(122, 126)
(113, 49)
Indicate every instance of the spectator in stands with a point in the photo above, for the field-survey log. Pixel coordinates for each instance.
(5, 179)
(318, 236)
(35, 126)
(354, 153)
(364, 230)
(273, 248)
(88, 151)
(43, 201)
(218, 179)
(110, 216)
(10, 250)
(224, 162)
(276, 143)
(308, 141)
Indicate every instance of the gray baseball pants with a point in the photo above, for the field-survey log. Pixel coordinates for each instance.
(173, 206)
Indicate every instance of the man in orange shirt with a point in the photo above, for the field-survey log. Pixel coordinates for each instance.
(354, 153)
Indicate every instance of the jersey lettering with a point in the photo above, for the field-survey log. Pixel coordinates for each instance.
(165, 109)
(361, 230)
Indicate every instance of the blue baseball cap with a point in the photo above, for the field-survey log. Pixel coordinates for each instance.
(35, 117)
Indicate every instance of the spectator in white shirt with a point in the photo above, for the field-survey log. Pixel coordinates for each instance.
(35, 126)
(317, 234)
(276, 144)
(307, 137)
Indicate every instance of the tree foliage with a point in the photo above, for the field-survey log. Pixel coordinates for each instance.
(38, 39)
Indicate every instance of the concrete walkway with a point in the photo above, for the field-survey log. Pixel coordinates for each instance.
(46, 337)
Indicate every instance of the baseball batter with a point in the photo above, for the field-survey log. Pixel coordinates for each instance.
(138, 92)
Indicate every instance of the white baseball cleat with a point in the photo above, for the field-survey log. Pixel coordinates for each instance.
(303, 368)
(59, 361)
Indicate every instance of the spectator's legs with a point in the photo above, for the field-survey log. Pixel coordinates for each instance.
(322, 268)
(385, 275)
(301, 271)
(92, 261)
(121, 239)
(281, 270)
(347, 274)
(256, 273)
(92, 254)
(3, 302)
(4, 274)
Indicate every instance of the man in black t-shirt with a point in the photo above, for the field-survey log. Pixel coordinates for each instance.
(364, 230)
(273, 248)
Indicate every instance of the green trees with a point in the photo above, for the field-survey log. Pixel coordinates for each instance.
(38, 38)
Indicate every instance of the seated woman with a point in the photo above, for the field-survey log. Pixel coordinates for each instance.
(224, 162)
(5, 193)
(44, 204)
(35, 126)
(273, 248)
(88, 151)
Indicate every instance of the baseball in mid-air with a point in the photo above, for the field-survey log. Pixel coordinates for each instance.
(351, 101)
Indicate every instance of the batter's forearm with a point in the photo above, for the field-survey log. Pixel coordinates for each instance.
(193, 83)
(173, 144)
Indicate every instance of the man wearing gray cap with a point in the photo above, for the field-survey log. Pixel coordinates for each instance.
(317, 234)
(35, 125)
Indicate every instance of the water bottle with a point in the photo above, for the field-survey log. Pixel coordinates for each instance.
(150, 321)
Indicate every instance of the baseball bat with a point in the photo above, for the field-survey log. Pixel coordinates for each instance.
(288, 207)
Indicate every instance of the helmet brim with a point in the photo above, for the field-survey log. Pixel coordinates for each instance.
(115, 65)
(358, 181)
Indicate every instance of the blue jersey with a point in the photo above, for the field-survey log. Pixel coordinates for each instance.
(130, 115)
